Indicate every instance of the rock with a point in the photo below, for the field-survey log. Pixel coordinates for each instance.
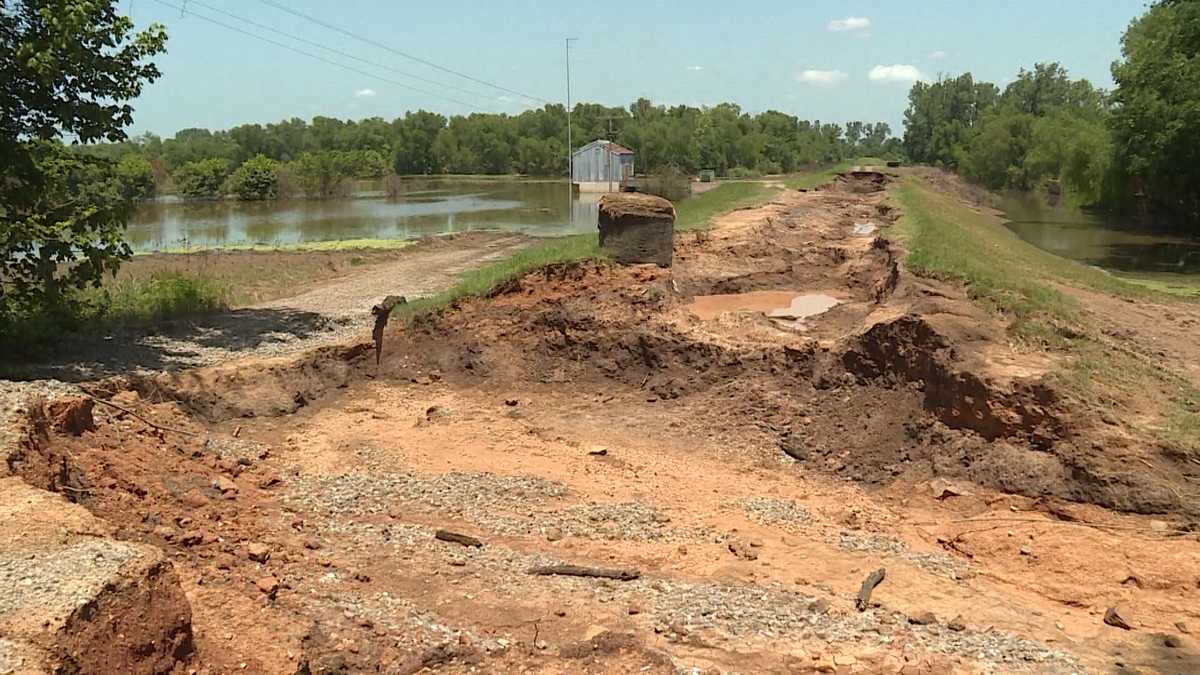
(756, 543)
(925, 618)
(270, 481)
(1172, 641)
(942, 488)
(258, 552)
(794, 447)
(1025, 550)
(1183, 627)
(193, 538)
(844, 660)
(194, 499)
(312, 544)
(1160, 526)
(637, 228)
(224, 485)
(268, 585)
(1113, 617)
(75, 599)
(819, 606)
(957, 624)
(742, 550)
(634, 610)
(553, 534)
(71, 414)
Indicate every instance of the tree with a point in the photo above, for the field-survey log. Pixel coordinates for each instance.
(67, 67)
(202, 179)
(1156, 119)
(257, 178)
(321, 174)
(135, 175)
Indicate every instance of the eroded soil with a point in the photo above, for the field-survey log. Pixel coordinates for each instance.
(747, 471)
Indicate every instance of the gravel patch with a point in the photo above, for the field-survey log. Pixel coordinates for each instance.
(785, 513)
(934, 563)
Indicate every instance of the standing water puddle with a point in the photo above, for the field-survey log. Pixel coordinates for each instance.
(786, 305)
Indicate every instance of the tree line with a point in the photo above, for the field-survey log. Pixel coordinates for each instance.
(319, 158)
(1136, 147)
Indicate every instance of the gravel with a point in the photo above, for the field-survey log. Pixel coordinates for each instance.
(934, 563)
(785, 513)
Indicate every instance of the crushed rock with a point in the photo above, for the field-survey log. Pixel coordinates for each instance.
(783, 512)
(934, 563)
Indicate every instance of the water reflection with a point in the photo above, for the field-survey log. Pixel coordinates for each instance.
(1110, 243)
(434, 206)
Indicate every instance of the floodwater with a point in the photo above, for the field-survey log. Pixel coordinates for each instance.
(783, 305)
(428, 206)
(1113, 244)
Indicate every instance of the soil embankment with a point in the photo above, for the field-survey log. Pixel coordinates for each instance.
(734, 473)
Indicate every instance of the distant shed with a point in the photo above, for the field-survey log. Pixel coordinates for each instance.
(601, 166)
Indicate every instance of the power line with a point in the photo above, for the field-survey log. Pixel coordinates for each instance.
(393, 50)
(339, 52)
(318, 57)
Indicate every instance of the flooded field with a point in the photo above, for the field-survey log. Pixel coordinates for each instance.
(1118, 245)
(428, 206)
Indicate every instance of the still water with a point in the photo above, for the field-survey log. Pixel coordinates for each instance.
(1121, 246)
(433, 206)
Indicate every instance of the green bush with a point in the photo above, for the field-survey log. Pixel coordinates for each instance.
(744, 172)
(161, 295)
(257, 178)
(136, 177)
(202, 179)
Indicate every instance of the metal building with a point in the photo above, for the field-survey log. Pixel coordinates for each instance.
(601, 166)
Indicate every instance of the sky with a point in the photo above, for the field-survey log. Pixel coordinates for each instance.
(833, 61)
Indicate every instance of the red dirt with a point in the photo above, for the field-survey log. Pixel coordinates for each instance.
(754, 474)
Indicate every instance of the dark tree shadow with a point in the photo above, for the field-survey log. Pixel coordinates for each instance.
(174, 344)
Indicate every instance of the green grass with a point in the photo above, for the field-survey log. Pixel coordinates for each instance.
(945, 239)
(698, 212)
(159, 296)
(335, 245)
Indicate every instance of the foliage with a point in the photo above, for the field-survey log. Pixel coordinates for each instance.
(532, 143)
(161, 295)
(67, 67)
(321, 174)
(201, 179)
(257, 178)
(135, 175)
(1156, 120)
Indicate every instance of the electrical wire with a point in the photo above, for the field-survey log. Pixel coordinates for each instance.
(352, 69)
(397, 52)
(339, 52)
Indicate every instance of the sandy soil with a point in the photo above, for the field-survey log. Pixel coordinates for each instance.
(739, 475)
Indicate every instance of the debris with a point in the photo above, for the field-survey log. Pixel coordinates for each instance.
(554, 534)
(580, 571)
(1172, 641)
(1113, 617)
(258, 552)
(1183, 627)
(957, 624)
(742, 550)
(794, 447)
(456, 538)
(925, 618)
(942, 488)
(868, 585)
(599, 452)
(268, 585)
(382, 312)
(71, 414)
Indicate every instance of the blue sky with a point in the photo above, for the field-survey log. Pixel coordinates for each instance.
(833, 61)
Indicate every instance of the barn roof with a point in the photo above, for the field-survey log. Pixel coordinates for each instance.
(614, 148)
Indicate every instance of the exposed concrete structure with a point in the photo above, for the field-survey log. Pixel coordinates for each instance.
(637, 228)
(77, 600)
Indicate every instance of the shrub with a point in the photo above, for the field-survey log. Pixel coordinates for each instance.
(201, 179)
(257, 178)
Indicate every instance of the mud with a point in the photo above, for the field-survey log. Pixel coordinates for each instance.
(588, 414)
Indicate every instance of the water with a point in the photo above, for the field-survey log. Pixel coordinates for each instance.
(428, 206)
(1118, 245)
(783, 305)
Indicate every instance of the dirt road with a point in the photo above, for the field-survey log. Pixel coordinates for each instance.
(739, 475)
(333, 312)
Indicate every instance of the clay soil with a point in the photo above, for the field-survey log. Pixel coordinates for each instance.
(740, 476)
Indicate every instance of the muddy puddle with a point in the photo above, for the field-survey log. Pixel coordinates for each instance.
(789, 306)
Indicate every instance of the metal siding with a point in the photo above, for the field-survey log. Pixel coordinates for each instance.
(593, 163)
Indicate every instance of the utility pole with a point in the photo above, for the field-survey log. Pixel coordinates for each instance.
(570, 149)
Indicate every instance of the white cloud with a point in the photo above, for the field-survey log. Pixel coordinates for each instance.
(938, 55)
(820, 77)
(364, 93)
(898, 72)
(848, 24)
(695, 69)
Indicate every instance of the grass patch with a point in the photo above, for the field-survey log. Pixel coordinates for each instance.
(698, 212)
(482, 280)
(159, 295)
(298, 247)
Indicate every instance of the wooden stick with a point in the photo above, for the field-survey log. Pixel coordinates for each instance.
(868, 585)
(456, 538)
(133, 414)
(579, 571)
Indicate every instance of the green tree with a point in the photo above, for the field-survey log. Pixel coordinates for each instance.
(321, 174)
(66, 67)
(257, 178)
(1156, 119)
(201, 179)
(136, 177)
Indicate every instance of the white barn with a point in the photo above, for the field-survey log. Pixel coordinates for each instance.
(601, 166)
